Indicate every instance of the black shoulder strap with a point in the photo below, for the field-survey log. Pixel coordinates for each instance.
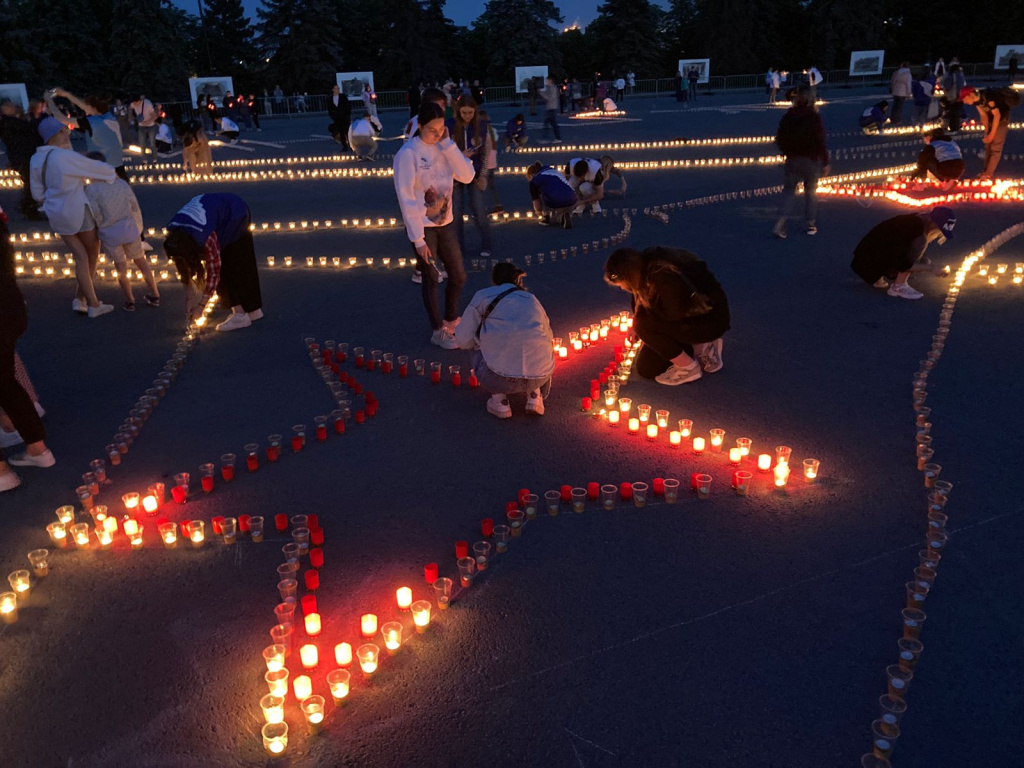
(492, 305)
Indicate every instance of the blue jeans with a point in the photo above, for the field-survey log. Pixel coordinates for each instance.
(445, 246)
(551, 118)
(478, 211)
(497, 384)
(147, 141)
(807, 170)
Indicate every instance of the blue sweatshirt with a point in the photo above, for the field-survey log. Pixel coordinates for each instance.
(225, 214)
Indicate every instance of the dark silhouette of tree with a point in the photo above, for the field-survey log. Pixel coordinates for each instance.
(627, 35)
(300, 43)
(229, 35)
(153, 48)
(519, 33)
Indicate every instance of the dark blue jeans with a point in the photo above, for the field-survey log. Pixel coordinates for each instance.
(477, 209)
(551, 118)
(496, 383)
(444, 244)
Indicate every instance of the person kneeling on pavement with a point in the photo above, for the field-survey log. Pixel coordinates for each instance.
(941, 158)
(680, 312)
(211, 245)
(511, 335)
(553, 197)
(895, 248)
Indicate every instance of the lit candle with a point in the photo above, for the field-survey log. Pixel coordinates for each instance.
(368, 624)
(343, 654)
(764, 462)
(698, 445)
(273, 655)
(368, 655)
(110, 525)
(421, 615)
(563, 353)
(150, 505)
(781, 474)
(275, 738)
(197, 533)
(131, 502)
(302, 687)
(613, 418)
(8, 607)
(634, 425)
(404, 597)
(734, 456)
(273, 708)
(717, 439)
(169, 534)
(674, 439)
(652, 431)
(80, 532)
(104, 538)
(309, 655)
(313, 625)
(392, 632)
(339, 681)
(811, 469)
(58, 534)
(313, 711)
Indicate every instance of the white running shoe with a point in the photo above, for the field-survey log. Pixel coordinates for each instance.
(77, 305)
(9, 481)
(675, 375)
(43, 460)
(443, 339)
(711, 360)
(903, 291)
(595, 208)
(256, 314)
(498, 406)
(234, 322)
(102, 309)
(417, 276)
(535, 404)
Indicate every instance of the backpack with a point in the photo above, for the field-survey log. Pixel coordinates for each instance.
(1010, 95)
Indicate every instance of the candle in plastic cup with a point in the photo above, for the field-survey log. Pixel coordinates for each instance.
(936, 540)
(21, 584)
(443, 592)
(256, 528)
(764, 462)
(275, 738)
(277, 681)
(197, 533)
(435, 373)
(482, 554)
(168, 534)
(685, 428)
(644, 413)
(421, 615)
(66, 514)
(58, 534)
(675, 439)
(227, 467)
(392, 634)
(501, 534)
(811, 469)
(613, 418)
(892, 709)
(913, 619)
(781, 473)
(284, 612)
(159, 492)
(131, 502)
(309, 656)
(943, 487)
(530, 502)
(302, 686)
(273, 708)
(343, 654)
(467, 570)
(639, 494)
(8, 607)
(917, 593)
(553, 500)
(339, 682)
(229, 529)
(273, 657)
(744, 443)
(515, 521)
(652, 431)
(579, 500)
(741, 482)
(282, 634)
(368, 656)
(899, 680)
(39, 559)
(313, 711)
(625, 404)
(313, 624)
(368, 624)
(698, 446)
(717, 439)
(884, 738)
(703, 486)
(671, 490)
(206, 477)
(782, 453)
(909, 652)
(80, 535)
(84, 494)
(609, 495)
(925, 575)
(403, 596)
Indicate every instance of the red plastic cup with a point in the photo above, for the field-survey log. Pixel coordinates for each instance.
(511, 506)
(370, 397)
(371, 409)
(217, 523)
(474, 382)
(252, 462)
(357, 387)
(586, 403)
(317, 537)
(274, 452)
(227, 472)
(308, 604)
(339, 426)
(693, 481)
(626, 491)
(487, 527)
(595, 385)
(521, 496)
(316, 557)
(430, 572)
(602, 377)
(340, 356)
(658, 485)
(593, 491)
(312, 578)
(179, 494)
(207, 481)
(360, 417)
(566, 493)
(359, 360)
(313, 521)
(386, 366)
(435, 377)
(371, 364)
(243, 523)
(456, 380)
(321, 433)
(461, 549)
(296, 444)
(281, 521)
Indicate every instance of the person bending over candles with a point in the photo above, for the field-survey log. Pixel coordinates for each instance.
(553, 198)
(941, 158)
(895, 248)
(511, 335)
(680, 312)
(211, 245)
(587, 177)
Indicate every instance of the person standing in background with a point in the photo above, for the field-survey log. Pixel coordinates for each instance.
(939, 71)
(550, 94)
(340, 111)
(369, 100)
(1013, 65)
(99, 126)
(20, 135)
(694, 78)
(901, 86)
(993, 106)
(801, 139)
(145, 119)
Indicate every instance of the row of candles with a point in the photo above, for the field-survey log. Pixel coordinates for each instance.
(886, 729)
(972, 191)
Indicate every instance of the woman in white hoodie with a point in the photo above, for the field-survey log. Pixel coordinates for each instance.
(57, 176)
(426, 168)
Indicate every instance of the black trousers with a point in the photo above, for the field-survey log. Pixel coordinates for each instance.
(444, 245)
(239, 277)
(13, 398)
(664, 340)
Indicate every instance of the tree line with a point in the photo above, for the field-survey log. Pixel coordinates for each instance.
(153, 46)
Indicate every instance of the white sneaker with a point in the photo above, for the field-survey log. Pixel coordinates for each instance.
(102, 309)
(146, 246)
(557, 141)
(234, 322)
(256, 314)
(441, 275)
(417, 276)
(880, 283)
(43, 460)
(535, 404)
(595, 208)
(711, 359)
(451, 325)
(77, 305)
(675, 375)
(578, 209)
(903, 291)
(9, 481)
(498, 406)
(443, 339)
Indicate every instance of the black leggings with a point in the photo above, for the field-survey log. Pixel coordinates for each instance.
(13, 398)
(239, 277)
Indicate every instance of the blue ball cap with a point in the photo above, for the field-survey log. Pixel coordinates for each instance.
(944, 219)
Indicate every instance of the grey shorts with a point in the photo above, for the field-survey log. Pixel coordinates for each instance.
(88, 222)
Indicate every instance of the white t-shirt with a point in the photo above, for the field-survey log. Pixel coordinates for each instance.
(227, 124)
(424, 175)
(62, 191)
(608, 105)
(620, 83)
(163, 133)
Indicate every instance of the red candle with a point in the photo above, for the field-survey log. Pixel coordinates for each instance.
(339, 425)
(321, 433)
(385, 366)
(693, 481)
(659, 486)
(461, 549)
(619, 357)
(273, 452)
(512, 506)
(371, 409)
(357, 388)
(316, 557)
(586, 403)
(430, 572)
(593, 491)
(370, 364)
(343, 377)
(626, 491)
(340, 356)
(317, 537)
(252, 462)
(370, 397)
(359, 361)
(281, 521)
(243, 523)
(207, 481)
(178, 493)
(335, 369)
(487, 527)
(360, 417)
(603, 377)
(566, 493)
(456, 379)
(227, 471)
(308, 604)
(435, 377)
(296, 444)
(523, 493)
(217, 523)
(313, 521)
(403, 371)
(312, 577)
(474, 382)
(595, 384)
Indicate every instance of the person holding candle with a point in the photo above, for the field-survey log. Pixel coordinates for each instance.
(553, 197)
(426, 169)
(510, 334)
(895, 248)
(680, 312)
(587, 177)
(993, 105)
(211, 245)
(941, 159)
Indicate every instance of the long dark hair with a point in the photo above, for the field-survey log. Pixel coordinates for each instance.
(429, 111)
(467, 102)
(187, 255)
(638, 273)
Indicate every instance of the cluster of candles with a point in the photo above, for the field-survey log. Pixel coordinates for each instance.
(21, 583)
(972, 190)
(593, 114)
(1002, 270)
(886, 729)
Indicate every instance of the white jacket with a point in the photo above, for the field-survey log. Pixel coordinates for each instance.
(424, 176)
(515, 340)
(62, 192)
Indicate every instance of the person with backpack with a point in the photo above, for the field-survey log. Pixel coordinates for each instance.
(144, 115)
(102, 133)
(801, 139)
(994, 105)
(513, 346)
(952, 84)
(941, 158)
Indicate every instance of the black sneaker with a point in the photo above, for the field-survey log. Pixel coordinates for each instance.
(129, 306)
(153, 301)
(567, 222)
